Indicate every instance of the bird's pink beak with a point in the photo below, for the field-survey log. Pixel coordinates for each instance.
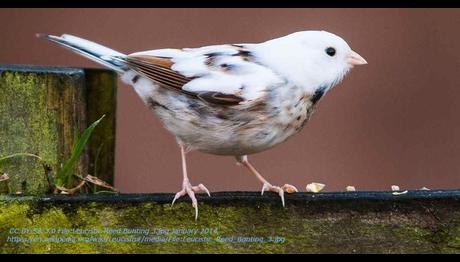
(354, 58)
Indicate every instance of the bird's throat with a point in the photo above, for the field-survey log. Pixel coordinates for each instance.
(319, 93)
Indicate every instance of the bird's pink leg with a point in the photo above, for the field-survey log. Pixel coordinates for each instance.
(266, 185)
(187, 188)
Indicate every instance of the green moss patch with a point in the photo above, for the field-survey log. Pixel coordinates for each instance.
(31, 226)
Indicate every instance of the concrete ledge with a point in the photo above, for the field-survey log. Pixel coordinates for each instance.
(237, 222)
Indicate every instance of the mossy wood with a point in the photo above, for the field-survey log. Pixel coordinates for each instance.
(349, 222)
(40, 110)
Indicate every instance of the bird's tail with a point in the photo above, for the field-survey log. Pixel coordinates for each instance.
(96, 52)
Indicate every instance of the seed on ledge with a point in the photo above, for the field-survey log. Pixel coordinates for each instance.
(350, 188)
(315, 187)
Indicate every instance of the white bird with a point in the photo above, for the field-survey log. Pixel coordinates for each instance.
(233, 99)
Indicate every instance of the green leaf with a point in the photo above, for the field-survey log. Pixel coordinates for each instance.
(19, 155)
(96, 162)
(66, 171)
(75, 137)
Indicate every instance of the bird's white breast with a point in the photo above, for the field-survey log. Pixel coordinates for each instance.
(238, 130)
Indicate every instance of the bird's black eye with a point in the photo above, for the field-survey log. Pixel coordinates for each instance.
(330, 51)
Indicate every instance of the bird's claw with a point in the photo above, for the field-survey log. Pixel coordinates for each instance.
(188, 189)
(201, 188)
(280, 190)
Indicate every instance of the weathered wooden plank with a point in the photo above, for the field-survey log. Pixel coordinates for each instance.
(239, 222)
(101, 93)
(40, 110)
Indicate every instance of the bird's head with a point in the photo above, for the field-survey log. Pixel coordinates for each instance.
(312, 58)
(329, 53)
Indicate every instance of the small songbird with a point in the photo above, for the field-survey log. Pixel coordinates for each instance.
(231, 99)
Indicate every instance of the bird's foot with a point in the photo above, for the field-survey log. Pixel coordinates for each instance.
(280, 190)
(188, 189)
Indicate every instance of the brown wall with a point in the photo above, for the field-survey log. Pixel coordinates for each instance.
(394, 121)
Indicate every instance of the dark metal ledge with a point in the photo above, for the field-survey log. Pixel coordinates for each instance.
(221, 197)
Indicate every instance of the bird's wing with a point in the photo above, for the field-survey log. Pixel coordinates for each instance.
(222, 74)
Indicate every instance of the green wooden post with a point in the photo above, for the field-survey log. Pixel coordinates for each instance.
(41, 108)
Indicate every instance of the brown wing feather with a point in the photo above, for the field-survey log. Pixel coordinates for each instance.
(219, 98)
(158, 69)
